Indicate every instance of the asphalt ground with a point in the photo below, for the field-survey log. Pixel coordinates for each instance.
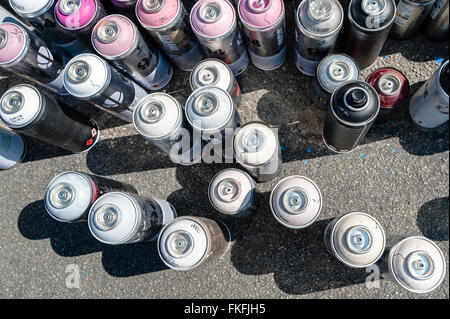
(400, 175)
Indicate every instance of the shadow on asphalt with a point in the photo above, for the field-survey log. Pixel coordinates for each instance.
(75, 239)
(432, 219)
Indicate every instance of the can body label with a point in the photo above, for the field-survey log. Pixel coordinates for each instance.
(404, 13)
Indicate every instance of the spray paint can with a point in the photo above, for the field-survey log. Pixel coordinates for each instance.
(232, 192)
(409, 17)
(392, 87)
(296, 202)
(79, 17)
(414, 263)
(355, 239)
(32, 112)
(125, 7)
(257, 149)
(89, 77)
(369, 24)
(167, 21)
(118, 218)
(118, 40)
(210, 111)
(436, 24)
(189, 242)
(263, 23)
(12, 149)
(28, 56)
(354, 106)
(429, 106)
(217, 73)
(70, 195)
(215, 25)
(332, 71)
(40, 14)
(318, 23)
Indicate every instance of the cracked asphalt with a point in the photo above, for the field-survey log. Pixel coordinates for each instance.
(400, 175)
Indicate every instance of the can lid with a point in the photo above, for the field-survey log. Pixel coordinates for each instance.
(391, 85)
(255, 144)
(355, 103)
(231, 191)
(183, 243)
(372, 15)
(75, 14)
(212, 72)
(157, 13)
(157, 115)
(68, 196)
(20, 105)
(320, 17)
(260, 14)
(12, 42)
(417, 264)
(113, 36)
(29, 8)
(86, 75)
(209, 108)
(113, 218)
(335, 69)
(296, 202)
(212, 18)
(358, 239)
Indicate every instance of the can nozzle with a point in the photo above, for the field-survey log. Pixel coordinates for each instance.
(295, 200)
(62, 195)
(357, 98)
(253, 141)
(228, 190)
(359, 239)
(179, 244)
(210, 12)
(319, 9)
(259, 6)
(152, 112)
(152, 6)
(206, 104)
(108, 31)
(78, 71)
(12, 102)
(3, 38)
(208, 76)
(68, 7)
(106, 217)
(373, 7)
(420, 265)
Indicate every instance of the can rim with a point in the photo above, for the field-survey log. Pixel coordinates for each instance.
(165, 26)
(78, 28)
(340, 258)
(273, 211)
(315, 35)
(124, 54)
(261, 29)
(397, 280)
(97, 127)
(353, 22)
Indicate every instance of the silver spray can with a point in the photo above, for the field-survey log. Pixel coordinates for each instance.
(167, 21)
(356, 239)
(436, 24)
(118, 40)
(429, 106)
(12, 149)
(89, 77)
(210, 111)
(232, 192)
(264, 24)
(122, 218)
(215, 25)
(296, 202)
(409, 17)
(30, 111)
(40, 14)
(217, 73)
(332, 71)
(257, 149)
(318, 23)
(414, 263)
(189, 242)
(28, 56)
(70, 195)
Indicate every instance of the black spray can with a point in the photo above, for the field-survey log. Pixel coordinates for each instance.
(353, 108)
(369, 24)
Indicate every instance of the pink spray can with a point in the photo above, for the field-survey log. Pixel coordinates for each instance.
(264, 27)
(79, 16)
(117, 39)
(215, 25)
(167, 21)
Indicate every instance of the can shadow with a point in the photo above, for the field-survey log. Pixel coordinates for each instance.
(75, 239)
(299, 261)
(126, 154)
(433, 219)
